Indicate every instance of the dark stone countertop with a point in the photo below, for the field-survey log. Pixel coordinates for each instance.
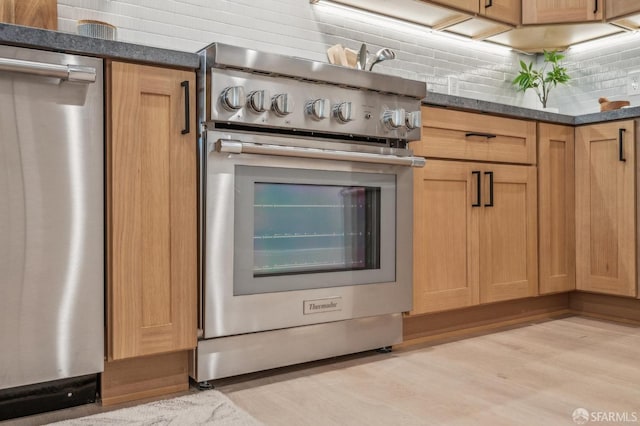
(37, 38)
(475, 105)
(598, 117)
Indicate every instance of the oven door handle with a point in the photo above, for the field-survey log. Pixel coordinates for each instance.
(238, 147)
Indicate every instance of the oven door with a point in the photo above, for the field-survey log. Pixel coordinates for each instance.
(295, 237)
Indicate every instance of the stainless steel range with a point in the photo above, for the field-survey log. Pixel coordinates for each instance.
(307, 210)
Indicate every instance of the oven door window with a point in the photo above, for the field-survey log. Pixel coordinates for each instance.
(301, 229)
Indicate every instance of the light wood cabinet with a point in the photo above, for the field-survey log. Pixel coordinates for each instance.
(502, 10)
(445, 239)
(606, 208)
(556, 208)
(151, 210)
(475, 223)
(619, 8)
(30, 13)
(561, 11)
(529, 26)
(508, 233)
(471, 136)
(472, 6)
(475, 234)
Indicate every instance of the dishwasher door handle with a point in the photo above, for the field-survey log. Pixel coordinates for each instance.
(76, 73)
(237, 147)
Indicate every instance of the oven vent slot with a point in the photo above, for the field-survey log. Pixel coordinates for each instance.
(393, 143)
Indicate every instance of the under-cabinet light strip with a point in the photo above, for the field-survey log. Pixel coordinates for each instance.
(398, 24)
(611, 40)
(372, 17)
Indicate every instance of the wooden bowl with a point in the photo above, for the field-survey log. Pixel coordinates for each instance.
(606, 105)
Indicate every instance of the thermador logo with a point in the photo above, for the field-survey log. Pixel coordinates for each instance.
(317, 306)
(314, 307)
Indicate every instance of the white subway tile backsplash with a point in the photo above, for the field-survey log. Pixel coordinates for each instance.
(600, 71)
(295, 27)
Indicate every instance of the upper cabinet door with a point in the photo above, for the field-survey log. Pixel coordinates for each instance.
(606, 208)
(618, 8)
(502, 10)
(466, 5)
(561, 11)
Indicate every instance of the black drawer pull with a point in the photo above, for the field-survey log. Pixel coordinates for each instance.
(490, 203)
(478, 189)
(483, 135)
(621, 144)
(595, 10)
(489, 3)
(187, 113)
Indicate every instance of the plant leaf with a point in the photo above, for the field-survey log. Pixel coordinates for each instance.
(536, 79)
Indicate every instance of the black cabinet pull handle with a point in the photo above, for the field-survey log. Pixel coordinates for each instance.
(490, 203)
(187, 113)
(484, 135)
(490, 3)
(621, 144)
(478, 189)
(595, 10)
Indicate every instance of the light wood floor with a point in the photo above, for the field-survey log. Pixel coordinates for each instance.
(536, 374)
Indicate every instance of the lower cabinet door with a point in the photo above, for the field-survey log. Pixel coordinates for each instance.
(508, 233)
(445, 237)
(606, 208)
(475, 234)
(152, 213)
(556, 209)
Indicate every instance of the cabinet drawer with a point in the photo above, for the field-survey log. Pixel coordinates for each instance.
(470, 136)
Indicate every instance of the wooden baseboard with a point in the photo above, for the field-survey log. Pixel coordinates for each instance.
(467, 321)
(603, 306)
(144, 377)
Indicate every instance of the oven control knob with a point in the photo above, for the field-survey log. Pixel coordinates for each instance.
(393, 118)
(259, 100)
(233, 98)
(282, 104)
(413, 120)
(318, 109)
(343, 112)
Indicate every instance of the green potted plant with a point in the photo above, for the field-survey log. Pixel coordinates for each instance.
(542, 81)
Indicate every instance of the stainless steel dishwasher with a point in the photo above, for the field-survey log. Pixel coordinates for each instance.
(51, 230)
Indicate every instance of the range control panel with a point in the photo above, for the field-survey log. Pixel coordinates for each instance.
(278, 102)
